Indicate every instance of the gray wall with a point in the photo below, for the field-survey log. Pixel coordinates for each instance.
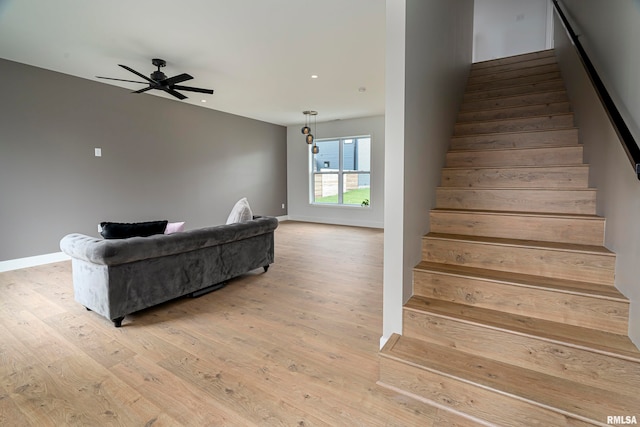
(428, 49)
(299, 179)
(161, 159)
(618, 24)
(508, 27)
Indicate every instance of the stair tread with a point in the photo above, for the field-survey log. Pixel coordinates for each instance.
(523, 108)
(557, 92)
(532, 85)
(523, 57)
(511, 188)
(517, 133)
(523, 243)
(534, 387)
(546, 76)
(511, 149)
(534, 104)
(598, 341)
(582, 165)
(531, 70)
(532, 214)
(510, 119)
(595, 290)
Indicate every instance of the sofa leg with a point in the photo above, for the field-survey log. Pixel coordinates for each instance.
(88, 309)
(266, 267)
(118, 321)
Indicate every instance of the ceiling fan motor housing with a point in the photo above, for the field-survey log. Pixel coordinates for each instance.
(158, 76)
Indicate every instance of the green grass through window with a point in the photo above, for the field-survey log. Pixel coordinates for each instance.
(353, 197)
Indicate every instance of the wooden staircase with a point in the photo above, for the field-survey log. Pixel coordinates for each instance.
(515, 320)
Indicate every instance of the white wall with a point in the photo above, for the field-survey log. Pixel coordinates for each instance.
(509, 27)
(298, 177)
(428, 49)
(609, 32)
(161, 159)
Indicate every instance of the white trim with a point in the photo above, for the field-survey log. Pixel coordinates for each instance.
(282, 218)
(549, 36)
(32, 261)
(335, 221)
(383, 341)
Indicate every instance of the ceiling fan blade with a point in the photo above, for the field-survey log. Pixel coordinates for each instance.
(144, 89)
(175, 79)
(120, 80)
(174, 93)
(137, 73)
(193, 89)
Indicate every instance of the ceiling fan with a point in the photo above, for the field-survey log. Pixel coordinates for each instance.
(158, 80)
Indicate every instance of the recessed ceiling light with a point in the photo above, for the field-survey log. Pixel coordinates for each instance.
(314, 76)
(203, 101)
(362, 89)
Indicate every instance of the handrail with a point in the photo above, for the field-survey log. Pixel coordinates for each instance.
(624, 134)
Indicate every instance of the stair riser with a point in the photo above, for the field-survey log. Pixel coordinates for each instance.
(515, 112)
(585, 367)
(546, 229)
(515, 125)
(499, 409)
(521, 72)
(577, 310)
(514, 81)
(549, 177)
(548, 86)
(518, 200)
(480, 69)
(515, 101)
(586, 267)
(522, 157)
(559, 137)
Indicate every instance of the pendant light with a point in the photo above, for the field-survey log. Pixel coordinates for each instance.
(306, 130)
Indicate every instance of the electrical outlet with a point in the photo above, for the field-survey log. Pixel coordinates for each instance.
(283, 206)
(98, 152)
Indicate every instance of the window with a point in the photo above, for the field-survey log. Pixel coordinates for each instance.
(341, 172)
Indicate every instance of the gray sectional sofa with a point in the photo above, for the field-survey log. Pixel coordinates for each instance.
(116, 277)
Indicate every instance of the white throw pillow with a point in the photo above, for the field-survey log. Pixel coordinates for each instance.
(241, 212)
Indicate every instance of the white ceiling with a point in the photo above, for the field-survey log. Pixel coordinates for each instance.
(258, 55)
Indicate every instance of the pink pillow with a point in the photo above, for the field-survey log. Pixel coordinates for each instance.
(174, 227)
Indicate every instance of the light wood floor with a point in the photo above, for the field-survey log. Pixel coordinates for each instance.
(297, 346)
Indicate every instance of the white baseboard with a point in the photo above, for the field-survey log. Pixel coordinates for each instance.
(336, 221)
(282, 218)
(32, 261)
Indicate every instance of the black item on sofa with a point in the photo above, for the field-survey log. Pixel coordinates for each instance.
(124, 230)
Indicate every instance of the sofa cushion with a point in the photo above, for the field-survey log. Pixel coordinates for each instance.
(123, 230)
(241, 212)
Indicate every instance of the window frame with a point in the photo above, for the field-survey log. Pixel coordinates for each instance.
(340, 172)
